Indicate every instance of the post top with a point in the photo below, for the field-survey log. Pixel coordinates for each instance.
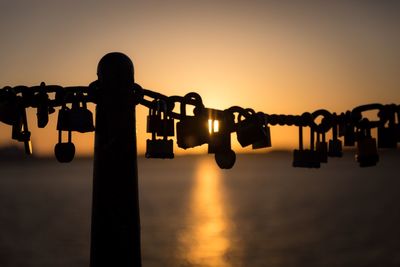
(117, 68)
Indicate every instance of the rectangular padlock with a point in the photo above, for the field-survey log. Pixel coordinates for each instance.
(219, 143)
(166, 127)
(191, 131)
(80, 120)
(387, 137)
(250, 131)
(367, 153)
(266, 141)
(153, 123)
(306, 159)
(159, 148)
(335, 148)
(349, 135)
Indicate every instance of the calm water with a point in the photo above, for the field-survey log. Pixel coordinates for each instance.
(261, 213)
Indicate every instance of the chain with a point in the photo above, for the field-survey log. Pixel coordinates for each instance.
(47, 97)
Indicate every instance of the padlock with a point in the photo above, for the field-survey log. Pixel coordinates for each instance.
(42, 109)
(346, 128)
(64, 152)
(81, 117)
(219, 143)
(387, 136)
(306, 158)
(398, 123)
(78, 118)
(252, 129)
(367, 152)
(321, 148)
(220, 126)
(335, 145)
(154, 118)
(63, 119)
(9, 103)
(191, 131)
(166, 124)
(160, 148)
(20, 131)
(349, 134)
(226, 159)
(264, 142)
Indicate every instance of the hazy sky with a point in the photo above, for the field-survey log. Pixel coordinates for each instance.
(275, 56)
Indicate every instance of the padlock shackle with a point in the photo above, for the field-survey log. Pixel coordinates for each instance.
(246, 113)
(357, 118)
(388, 114)
(191, 98)
(326, 121)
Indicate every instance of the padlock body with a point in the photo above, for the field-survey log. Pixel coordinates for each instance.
(166, 127)
(226, 159)
(367, 153)
(250, 131)
(387, 137)
(219, 143)
(42, 116)
(321, 148)
(8, 112)
(335, 148)
(306, 159)
(161, 149)
(265, 142)
(76, 119)
(398, 132)
(349, 136)
(153, 123)
(64, 152)
(191, 132)
(17, 129)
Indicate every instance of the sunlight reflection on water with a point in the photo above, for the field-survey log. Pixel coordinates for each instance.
(206, 240)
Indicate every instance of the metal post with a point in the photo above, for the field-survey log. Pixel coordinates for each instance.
(115, 233)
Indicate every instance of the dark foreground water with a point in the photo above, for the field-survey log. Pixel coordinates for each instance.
(263, 212)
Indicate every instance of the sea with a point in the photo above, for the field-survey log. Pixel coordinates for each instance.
(261, 213)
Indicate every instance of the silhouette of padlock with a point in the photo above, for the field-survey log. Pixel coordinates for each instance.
(64, 152)
(266, 141)
(220, 125)
(347, 129)
(225, 159)
(252, 130)
(78, 118)
(387, 136)
(349, 135)
(306, 158)
(160, 148)
(335, 145)
(398, 123)
(321, 148)
(166, 124)
(42, 107)
(20, 131)
(154, 118)
(219, 143)
(367, 153)
(191, 130)
(8, 106)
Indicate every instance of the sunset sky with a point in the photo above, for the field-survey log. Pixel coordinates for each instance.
(274, 56)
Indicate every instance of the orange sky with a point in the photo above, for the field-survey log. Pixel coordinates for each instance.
(273, 57)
